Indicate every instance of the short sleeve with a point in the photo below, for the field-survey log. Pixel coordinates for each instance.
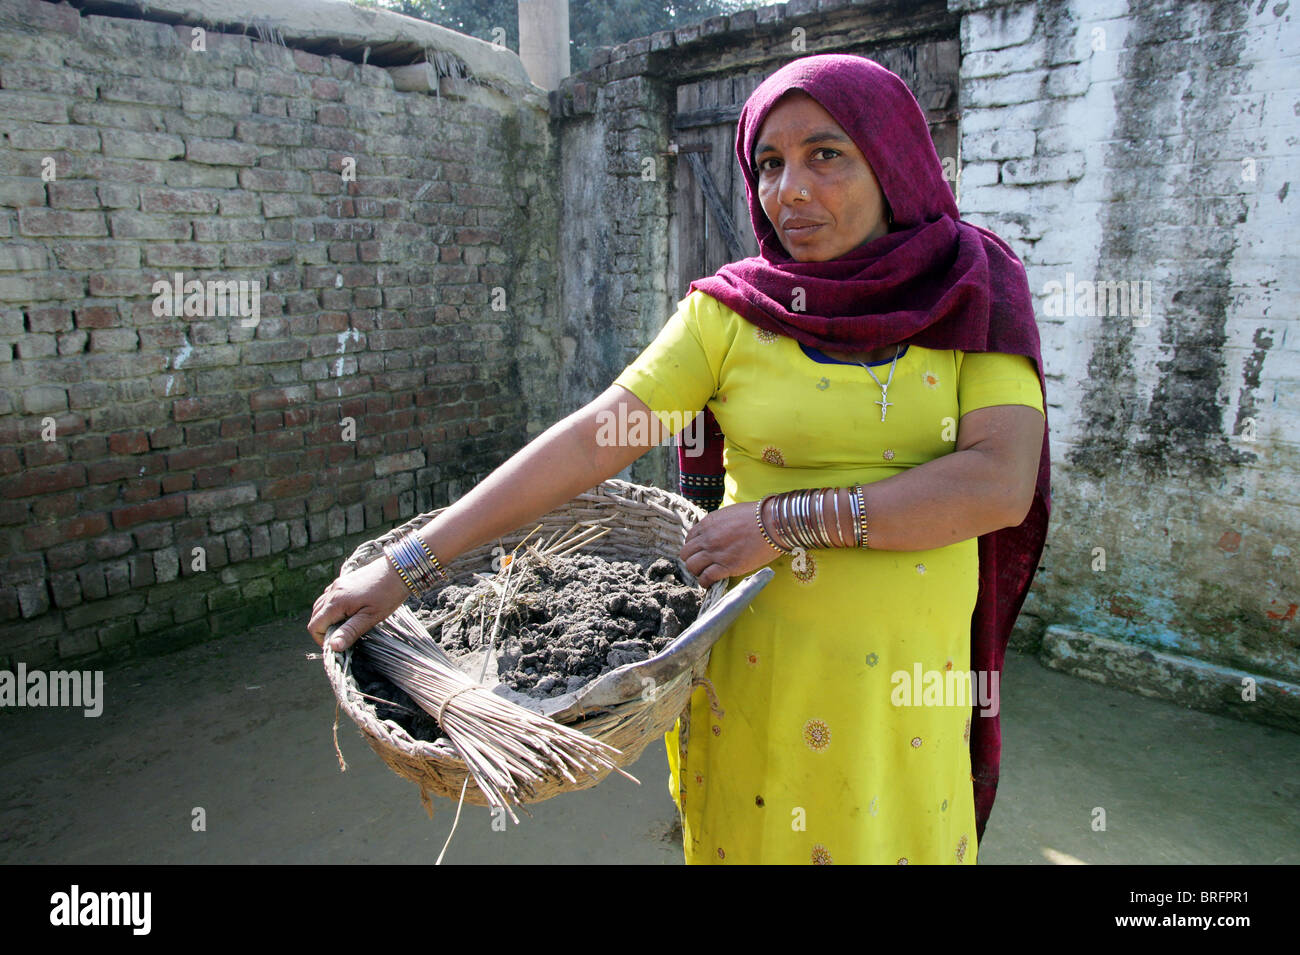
(677, 373)
(986, 379)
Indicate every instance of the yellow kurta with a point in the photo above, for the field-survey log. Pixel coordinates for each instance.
(803, 756)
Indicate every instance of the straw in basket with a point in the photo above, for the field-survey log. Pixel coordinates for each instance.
(615, 709)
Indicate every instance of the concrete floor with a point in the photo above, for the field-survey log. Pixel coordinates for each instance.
(242, 728)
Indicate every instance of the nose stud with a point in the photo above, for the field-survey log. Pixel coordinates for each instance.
(804, 193)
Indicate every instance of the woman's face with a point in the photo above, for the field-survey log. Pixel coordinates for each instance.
(801, 149)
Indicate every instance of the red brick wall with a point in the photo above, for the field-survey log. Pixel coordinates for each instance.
(172, 433)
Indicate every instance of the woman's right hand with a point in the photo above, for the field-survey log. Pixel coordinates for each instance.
(361, 598)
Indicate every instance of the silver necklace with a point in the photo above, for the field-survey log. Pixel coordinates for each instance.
(884, 401)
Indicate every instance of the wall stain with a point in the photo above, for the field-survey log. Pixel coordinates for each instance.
(1163, 155)
(1247, 406)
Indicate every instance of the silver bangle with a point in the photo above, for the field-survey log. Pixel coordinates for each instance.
(811, 496)
(821, 518)
(805, 518)
(780, 521)
(797, 519)
(814, 505)
(828, 541)
(782, 526)
(853, 505)
(796, 528)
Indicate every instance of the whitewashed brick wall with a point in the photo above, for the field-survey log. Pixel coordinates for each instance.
(1155, 142)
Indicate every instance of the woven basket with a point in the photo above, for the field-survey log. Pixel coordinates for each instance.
(645, 523)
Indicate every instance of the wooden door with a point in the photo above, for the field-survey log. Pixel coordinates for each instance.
(713, 226)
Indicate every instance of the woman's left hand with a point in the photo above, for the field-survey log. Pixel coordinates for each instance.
(726, 543)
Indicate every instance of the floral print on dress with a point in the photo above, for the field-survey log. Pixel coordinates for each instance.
(873, 659)
(920, 568)
(817, 735)
(965, 736)
(751, 658)
(820, 855)
(721, 854)
(961, 848)
(888, 454)
(773, 455)
(903, 861)
(916, 742)
(764, 336)
(931, 379)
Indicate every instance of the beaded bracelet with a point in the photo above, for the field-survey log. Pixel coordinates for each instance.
(758, 516)
(862, 515)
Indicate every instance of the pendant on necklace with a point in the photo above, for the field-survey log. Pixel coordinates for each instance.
(884, 401)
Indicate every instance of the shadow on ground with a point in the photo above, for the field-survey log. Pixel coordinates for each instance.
(242, 728)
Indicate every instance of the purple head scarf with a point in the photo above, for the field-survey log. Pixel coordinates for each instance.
(933, 281)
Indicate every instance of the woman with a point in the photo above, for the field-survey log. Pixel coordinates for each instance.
(877, 351)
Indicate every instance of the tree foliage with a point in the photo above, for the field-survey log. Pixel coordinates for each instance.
(592, 23)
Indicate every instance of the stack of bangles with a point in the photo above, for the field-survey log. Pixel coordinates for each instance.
(415, 564)
(800, 519)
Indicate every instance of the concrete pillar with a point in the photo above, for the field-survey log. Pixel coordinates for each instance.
(544, 40)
